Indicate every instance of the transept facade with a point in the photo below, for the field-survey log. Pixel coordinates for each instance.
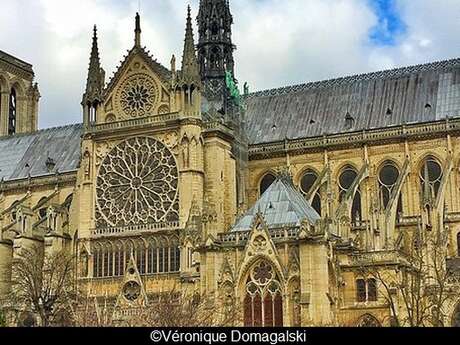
(302, 205)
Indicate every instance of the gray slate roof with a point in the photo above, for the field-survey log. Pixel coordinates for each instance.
(374, 100)
(62, 144)
(281, 205)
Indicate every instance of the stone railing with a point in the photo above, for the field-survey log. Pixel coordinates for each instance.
(143, 121)
(378, 257)
(134, 229)
(241, 237)
(217, 126)
(356, 138)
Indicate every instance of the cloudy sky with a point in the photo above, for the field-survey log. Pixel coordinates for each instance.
(280, 42)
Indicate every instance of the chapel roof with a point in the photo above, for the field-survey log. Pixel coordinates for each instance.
(414, 94)
(282, 205)
(25, 154)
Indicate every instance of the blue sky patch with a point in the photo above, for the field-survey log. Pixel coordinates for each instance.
(390, 24)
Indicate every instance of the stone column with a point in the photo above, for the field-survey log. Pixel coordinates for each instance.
(4, 110)
(314, 277)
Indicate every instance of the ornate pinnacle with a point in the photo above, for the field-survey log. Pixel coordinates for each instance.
(189, 61)
(138, 31)
(95, 80)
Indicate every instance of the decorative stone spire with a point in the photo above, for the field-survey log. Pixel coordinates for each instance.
(215, 48)
(190, 69)
(138, 31)
(96, 75)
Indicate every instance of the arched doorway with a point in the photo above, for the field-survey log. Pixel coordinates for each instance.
(263, 302)
(456, 317)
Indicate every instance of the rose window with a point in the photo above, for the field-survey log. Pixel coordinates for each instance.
(138, 96)
(262, 273)
(132, 291)
(137, 184)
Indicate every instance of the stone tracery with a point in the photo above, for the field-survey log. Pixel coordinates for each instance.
(138, 95)
(137, 184)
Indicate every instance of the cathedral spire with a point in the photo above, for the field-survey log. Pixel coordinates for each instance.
(138, 31)
(95, 80)
(190, 67)
(215, 48)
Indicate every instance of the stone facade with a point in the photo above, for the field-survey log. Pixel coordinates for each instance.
(19, 96)
(174, 185)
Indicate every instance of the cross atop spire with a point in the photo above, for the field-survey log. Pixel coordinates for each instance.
(138, 31)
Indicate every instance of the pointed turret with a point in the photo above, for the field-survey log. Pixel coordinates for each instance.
(138, 31)
(190, 68)
(94, 83)
(187, 82)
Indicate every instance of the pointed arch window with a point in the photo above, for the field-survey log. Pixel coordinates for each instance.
(368, 320)
(346, 180)
(307, 182)
(263, 303)
(98, 261)
(119, 261)
(12, 113)
(266, 182)
(141, 258)
(430, 177)
(388, 177)
(152, 254)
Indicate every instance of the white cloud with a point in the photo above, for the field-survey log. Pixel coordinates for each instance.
(279, 42)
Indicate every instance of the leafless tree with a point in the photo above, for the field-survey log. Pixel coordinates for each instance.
(44, 285)
(192, 309)
(416, 287)
(174, 308)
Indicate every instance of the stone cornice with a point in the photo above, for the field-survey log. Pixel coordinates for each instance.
(381, 136)
(39, 181)
(16, 70)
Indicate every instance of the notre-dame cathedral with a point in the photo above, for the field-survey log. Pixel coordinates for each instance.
(308, 205)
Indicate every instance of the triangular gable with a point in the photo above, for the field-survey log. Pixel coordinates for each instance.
(132, 293)
(162, 72)
(259, 247)
(139, 88)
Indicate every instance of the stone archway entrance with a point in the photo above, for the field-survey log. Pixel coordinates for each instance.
(263, 302)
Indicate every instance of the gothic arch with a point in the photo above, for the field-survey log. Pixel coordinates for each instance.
(341, 167)
(246, 267)
(18, 86)
(301, 173)
(368, 320)
(262, 295)
(427, 155)
(266, 175)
